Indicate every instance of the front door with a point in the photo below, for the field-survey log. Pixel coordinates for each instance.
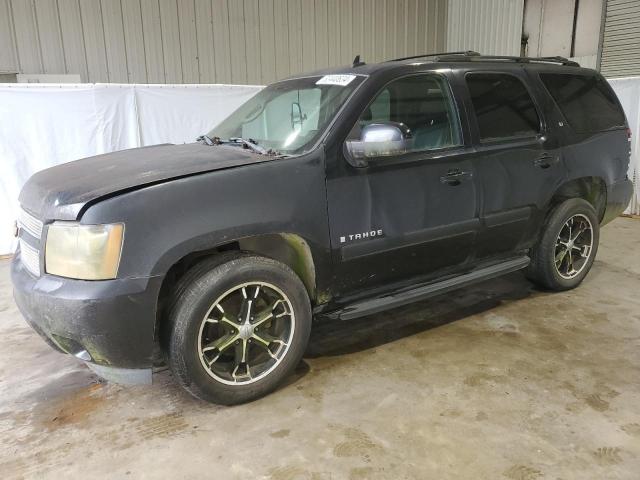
(408, 215)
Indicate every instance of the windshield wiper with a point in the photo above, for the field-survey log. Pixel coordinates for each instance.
(249, 144)
(207, 140)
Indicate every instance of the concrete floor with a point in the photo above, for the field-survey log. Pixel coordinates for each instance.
(495, 381)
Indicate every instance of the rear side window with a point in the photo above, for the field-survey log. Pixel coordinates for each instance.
(586, 101)
(503, 107)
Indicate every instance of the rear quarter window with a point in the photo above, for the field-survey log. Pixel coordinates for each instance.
(586, 101)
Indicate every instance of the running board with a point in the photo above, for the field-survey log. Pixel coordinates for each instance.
(421, 292)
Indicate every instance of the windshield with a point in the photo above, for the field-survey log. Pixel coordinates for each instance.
(289, 116)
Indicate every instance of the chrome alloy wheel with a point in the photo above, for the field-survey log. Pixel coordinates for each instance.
(246, 333)
(573, 246)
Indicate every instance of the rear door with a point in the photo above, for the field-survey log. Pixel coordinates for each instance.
(518, 162)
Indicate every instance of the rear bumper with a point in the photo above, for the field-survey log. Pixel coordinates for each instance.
(618, 197)
(108, 324)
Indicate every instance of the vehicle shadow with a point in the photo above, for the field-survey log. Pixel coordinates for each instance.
(335, 337)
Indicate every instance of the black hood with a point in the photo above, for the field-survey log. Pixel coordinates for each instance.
(61, 192)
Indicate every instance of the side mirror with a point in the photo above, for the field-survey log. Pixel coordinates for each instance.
(377, 141)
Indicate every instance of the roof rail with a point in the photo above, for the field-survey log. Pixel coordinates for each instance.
(467, 53)
(454, 57)
(561, 60)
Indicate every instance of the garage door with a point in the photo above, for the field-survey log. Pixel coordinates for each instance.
(621, 41)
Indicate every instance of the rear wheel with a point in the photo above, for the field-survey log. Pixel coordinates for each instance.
(567, 249)
(238, 327)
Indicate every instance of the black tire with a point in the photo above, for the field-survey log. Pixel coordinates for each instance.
(542, 269)
(194, 295)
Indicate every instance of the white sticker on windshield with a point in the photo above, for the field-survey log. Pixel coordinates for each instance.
(341, 80)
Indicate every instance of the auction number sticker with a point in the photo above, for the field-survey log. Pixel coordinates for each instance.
(341, 80)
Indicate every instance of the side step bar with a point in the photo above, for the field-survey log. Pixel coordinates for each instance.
(421, 292)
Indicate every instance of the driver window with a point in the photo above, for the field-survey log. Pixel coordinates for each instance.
(422, 103)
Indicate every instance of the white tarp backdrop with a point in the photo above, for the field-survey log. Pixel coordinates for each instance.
(44, 125)
(628, 91)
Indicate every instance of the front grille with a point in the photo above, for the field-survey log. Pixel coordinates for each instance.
(30, 258)
(30, 224)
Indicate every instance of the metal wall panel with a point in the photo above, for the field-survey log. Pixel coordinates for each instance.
(91, 15)
(491, 27)
(308, 34)
(294, 18)
(75, 56)
(49, 36)
(321, 39)
(345, 29)
(267, 41)
(170, 34)
(152, 35)
(204, 36)
(8, 60)
(26, 37)
(237, 41)
(367, 33)
(252, 41)
(134, 42)
(620, 55)
(281, 31)
(221, 42)
(112, 21)
(188, 42)
(211, 41)
(333, 28)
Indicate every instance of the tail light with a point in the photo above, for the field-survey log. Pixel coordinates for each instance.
(629, 134)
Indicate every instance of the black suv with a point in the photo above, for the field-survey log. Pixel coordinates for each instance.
(334, 194)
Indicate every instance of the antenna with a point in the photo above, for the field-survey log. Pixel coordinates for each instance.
(357, 62)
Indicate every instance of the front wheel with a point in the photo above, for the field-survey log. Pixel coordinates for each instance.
(238, 327)
(567, 249)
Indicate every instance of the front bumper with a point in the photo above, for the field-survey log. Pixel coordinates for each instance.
(618, 197)
(108, 324)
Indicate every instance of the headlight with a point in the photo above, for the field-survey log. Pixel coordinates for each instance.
(85, 252)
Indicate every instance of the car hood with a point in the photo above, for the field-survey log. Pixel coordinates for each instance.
(61, 192)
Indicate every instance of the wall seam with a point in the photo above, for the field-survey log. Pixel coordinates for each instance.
(12, 23)
(195, 28)
(104, 41)
(84, 42)
(144, 47)
(164, 64)
(64, 51)
(34, 15)
(229, 42)
(180, 41)
(124, 42)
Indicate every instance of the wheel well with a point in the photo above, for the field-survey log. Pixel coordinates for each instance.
(591, 189)
(288, 248)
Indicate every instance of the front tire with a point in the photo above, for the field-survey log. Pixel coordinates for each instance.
(568, 246)
(238, 326)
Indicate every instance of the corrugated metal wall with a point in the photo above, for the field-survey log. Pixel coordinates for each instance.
(210, 41)
(620, 55)
(491, 27)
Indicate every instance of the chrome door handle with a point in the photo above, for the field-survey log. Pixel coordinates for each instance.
(455, 176)
(545, 160)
